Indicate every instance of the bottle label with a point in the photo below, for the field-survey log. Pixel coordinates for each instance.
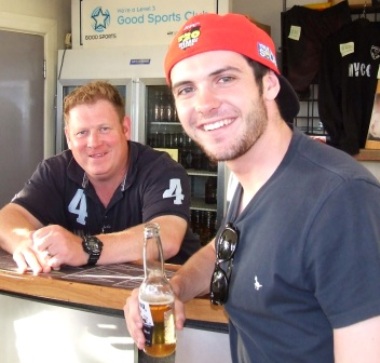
(158, 323)
(148, 324)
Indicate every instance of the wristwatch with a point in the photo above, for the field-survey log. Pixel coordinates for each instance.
(93, 246)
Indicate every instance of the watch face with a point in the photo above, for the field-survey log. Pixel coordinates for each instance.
(93, 246)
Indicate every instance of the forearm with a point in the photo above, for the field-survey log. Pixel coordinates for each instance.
(127, 245)
(193, 278)
(123, 246)
(16, 226)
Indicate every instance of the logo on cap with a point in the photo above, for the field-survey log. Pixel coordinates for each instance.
(266, 52)
(189, 38)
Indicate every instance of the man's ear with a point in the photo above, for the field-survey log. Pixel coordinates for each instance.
(271, 86)
(126, 124)
(67, 137)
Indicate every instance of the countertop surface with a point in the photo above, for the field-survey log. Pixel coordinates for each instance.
(97, 287)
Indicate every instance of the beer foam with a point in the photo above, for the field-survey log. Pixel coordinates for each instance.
(157, 299)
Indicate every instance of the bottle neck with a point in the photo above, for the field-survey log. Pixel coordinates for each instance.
(152, 252)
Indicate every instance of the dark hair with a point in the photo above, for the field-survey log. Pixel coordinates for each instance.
(92, 92)
(259, 71)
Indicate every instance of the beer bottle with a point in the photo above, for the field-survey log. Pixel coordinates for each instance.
(156, 298)
(159, 107)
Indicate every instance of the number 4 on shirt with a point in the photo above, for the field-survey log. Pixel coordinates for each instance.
(174, 191)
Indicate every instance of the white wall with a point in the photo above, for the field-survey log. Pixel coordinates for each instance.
(266, 12)
(58, 11)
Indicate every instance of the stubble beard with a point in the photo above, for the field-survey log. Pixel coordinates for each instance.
(255, 122)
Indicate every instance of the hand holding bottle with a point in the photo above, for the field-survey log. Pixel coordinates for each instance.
(134, 321)
(156, 299)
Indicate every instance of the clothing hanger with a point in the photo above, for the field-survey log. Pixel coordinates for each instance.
(363, 16)
(364, 13)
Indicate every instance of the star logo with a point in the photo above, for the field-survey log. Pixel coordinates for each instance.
(101, 19)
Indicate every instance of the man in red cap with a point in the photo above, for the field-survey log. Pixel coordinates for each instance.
(296, 262)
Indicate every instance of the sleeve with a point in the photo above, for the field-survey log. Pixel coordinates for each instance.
(42, 194)
(344, 254)
(165, 190)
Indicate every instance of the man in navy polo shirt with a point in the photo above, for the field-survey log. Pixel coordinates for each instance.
(88, 205)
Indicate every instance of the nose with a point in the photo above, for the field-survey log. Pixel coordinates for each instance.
(93, 139)
(206, 100)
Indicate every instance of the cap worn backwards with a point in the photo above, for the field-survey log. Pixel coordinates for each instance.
(236, 33)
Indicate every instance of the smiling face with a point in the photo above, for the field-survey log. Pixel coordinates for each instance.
(219, 103)
(98, 140)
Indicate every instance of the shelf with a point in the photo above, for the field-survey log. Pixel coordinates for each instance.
(163, 123)
(199, 204)
(368, 155)
(196, 172)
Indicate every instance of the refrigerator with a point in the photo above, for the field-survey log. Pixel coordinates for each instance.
(137, 72)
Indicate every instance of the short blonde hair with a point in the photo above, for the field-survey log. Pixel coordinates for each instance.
(91, 93)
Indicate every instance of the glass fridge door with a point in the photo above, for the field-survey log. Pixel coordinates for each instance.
(164, 132)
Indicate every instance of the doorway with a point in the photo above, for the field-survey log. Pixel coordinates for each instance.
(21, 109)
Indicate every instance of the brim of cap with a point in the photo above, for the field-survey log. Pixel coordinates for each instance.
(288, 101)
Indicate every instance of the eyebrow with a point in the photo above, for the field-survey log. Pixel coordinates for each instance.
(212, 74)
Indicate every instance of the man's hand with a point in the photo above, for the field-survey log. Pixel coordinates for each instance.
(133, 319)
(28, 258)
(135, 323)
(49, 248)
(60, 246)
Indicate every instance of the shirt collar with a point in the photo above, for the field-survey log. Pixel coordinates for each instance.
(78, 175)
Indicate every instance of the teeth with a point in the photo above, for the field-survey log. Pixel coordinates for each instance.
(216, 125)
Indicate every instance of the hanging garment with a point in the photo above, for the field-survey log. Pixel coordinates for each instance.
(348, 78)
(304, 31)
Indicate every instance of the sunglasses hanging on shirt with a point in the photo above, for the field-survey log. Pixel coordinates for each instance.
(226, 245)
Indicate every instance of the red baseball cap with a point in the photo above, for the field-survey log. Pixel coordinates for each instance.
(236, 33)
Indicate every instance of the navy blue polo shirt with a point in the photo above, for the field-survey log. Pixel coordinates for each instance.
(59, 192)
